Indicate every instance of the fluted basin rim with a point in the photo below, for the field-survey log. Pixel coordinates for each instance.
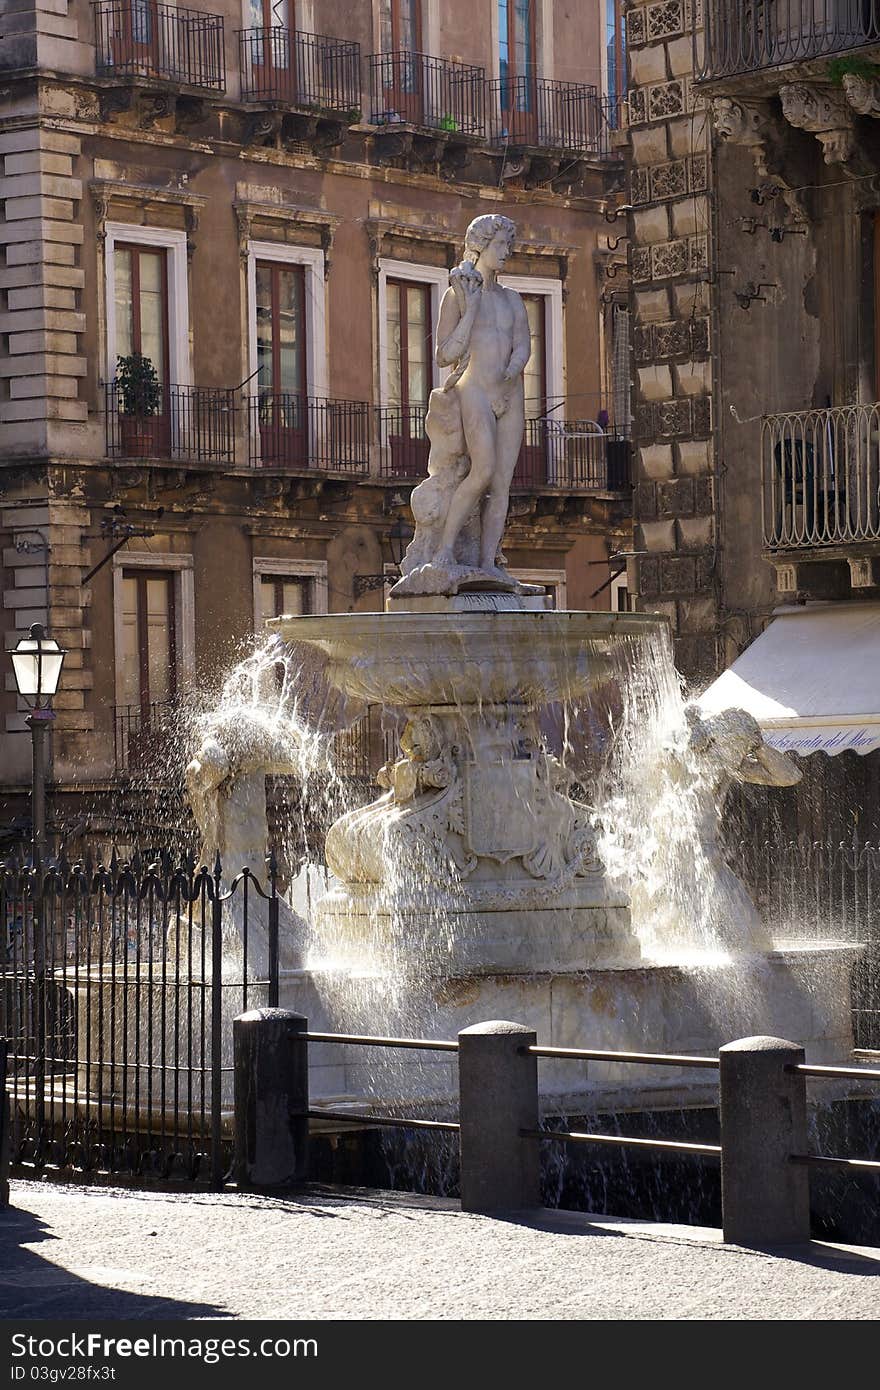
(404, 658)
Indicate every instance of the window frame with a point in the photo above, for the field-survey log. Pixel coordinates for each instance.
(180, 567)
(174, 244)
(435, 276)
(313, 259)
(278, 567)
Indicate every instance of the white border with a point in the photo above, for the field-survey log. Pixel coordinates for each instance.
(618, 583)
(315, 570)
(558, 578)
(184, 611)
(179, 365)
(435, 276)
(312, 257)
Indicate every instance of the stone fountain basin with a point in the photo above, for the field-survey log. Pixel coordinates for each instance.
(411, 659)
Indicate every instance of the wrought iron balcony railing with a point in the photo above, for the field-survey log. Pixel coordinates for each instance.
(578, 455)
(144, 735)
(360, 750)
(575, 455)
(743, 37)
(144, 39)
(538, 113)
(303, 70)
(820, 477)
(287, 430)
(403, 442)
(187, 422)
(422, 91)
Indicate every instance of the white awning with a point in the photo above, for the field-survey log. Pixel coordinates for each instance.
(812, 679)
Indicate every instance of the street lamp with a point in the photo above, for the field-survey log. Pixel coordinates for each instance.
(36, 663)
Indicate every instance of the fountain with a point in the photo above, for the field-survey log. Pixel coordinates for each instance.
(480, 884)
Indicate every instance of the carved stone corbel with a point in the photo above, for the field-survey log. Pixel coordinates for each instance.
(754, 125)
(101, 206)
(153, 107)
(825, 113)
(243, 222)
(191, 223)
(456, 161)
(263, 127)
(391, 144)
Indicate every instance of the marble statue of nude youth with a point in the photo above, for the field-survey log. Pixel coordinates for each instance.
(475, 423)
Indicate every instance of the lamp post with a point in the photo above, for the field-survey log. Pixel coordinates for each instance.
(36, 663)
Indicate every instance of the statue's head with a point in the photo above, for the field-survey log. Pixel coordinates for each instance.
(491, 237)
(731, 744)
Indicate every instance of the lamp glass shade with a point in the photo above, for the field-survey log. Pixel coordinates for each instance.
(36, 663)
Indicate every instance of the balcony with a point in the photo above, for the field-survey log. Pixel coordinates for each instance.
(820, 479)
(307, 71)
(360, 750)
(139, 38)
(749, 38)
(191, 423)
(572, 455)
(535, 113)
(287, 430)
(146, 738)
(429, 93)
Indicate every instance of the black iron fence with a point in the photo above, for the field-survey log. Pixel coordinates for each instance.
(296, 69)
(402, 440)
(289, 430)
(423, 91)
(538, 113)
(746, 37)
(118, 986)
(188, 422)
(146, 39)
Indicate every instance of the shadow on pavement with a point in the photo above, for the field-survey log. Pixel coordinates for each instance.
(33, 1287)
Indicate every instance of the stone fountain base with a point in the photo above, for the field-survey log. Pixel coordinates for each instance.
(799, 991)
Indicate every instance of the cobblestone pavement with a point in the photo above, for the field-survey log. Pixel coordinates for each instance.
(85, 1252)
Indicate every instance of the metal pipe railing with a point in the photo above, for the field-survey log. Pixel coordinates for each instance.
(538, 113)
(290, 430)
(180, 422)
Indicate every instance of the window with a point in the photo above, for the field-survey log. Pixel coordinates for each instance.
(615, 60)
(621, 601)
(146, 298)
(409, 366)
(516, 56)
(147, 659)
(287, 351)
(542, 458)
(284, 594)
(141, 304)
(554, 582)
(409, 303)
(400, 26)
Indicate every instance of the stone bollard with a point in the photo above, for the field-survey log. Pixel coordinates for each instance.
(271, 1098)
(765, 1198)
(498, 1089)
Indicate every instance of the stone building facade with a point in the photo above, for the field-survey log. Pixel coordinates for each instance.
(269, 205)
(755, 169)
(671, 238)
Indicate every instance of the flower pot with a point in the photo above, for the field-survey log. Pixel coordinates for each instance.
(139, 435)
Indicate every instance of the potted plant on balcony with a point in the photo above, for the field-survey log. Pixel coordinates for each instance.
(140, 397)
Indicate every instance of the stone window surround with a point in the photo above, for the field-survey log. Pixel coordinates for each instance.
(312, 258)
(558, 579)
(314, 570)
(181, 566)
(438, 279)
(175, 243)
